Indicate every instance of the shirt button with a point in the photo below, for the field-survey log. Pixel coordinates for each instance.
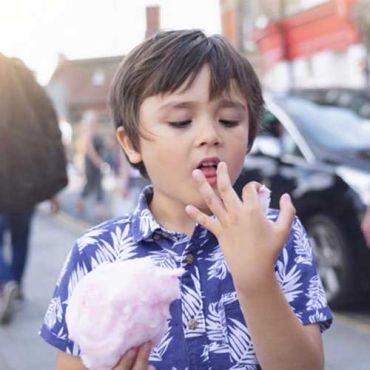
(193, 324)
(189, 259)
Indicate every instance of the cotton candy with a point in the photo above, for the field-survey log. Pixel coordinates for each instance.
(264, 195)
(118, 306)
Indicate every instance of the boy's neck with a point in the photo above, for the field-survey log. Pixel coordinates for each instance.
(171, 215)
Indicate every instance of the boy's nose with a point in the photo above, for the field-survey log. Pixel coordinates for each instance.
(208, 134)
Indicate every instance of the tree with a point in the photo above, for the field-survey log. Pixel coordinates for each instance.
(361, 18)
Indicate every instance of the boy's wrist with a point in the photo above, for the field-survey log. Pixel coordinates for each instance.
(258, 281)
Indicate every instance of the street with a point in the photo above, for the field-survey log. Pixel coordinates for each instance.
(347, 343)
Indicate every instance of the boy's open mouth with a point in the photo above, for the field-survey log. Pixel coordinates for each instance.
(209, 168)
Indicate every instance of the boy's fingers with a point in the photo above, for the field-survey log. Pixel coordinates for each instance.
(210, 197)
(227, 193)
(128, 360)
(142, 357)
(202, 219)
(286, 215)
(250, 195)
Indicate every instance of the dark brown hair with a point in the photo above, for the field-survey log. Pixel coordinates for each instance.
(163, 63)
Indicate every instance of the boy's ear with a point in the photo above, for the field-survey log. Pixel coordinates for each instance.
(133, 155)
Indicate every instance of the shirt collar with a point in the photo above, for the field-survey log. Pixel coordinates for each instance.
(145, 226)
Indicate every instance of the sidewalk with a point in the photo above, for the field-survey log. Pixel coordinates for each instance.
(114, 203)
(20, 346)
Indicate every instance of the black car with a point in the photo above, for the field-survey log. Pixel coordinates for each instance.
(357, 100)
(320, 155)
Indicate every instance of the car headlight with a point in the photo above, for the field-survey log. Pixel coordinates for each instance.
(358, 180)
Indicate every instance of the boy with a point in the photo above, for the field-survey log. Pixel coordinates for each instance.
(186, 107)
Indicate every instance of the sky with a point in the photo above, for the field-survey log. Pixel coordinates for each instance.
(38, 30)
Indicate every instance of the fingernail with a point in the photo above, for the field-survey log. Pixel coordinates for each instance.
(132, 352)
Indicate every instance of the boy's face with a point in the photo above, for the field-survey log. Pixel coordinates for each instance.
(184, 130)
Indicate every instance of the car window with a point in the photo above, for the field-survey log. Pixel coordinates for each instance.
(271, 126)
(331, 127)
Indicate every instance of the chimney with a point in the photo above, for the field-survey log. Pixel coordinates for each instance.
(152, 20)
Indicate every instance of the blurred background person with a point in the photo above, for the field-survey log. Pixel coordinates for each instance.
(32, 169)
(93, 163)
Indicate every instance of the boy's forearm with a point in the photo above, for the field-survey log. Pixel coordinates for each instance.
(281, 342)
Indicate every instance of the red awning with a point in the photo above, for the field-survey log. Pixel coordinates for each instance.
(323, 27)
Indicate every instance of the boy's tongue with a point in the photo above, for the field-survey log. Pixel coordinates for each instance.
(210, 174)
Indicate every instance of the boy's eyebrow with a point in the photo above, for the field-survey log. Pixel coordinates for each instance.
(175, 104)
(223, 103)
(227, 103)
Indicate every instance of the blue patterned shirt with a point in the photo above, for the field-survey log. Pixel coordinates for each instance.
(207, 329)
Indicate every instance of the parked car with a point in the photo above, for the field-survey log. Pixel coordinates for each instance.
(321, 156)
(358, 100)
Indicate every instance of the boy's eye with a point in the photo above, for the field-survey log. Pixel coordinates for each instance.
(228, 123)
(180, 124)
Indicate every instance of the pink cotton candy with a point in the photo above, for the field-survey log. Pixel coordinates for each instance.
(118, 306)
(264, 195)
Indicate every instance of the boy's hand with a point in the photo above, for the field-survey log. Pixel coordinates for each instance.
(136, 359)
(249, 241)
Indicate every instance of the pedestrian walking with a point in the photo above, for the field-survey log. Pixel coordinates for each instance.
(32, 169)
(93, 144)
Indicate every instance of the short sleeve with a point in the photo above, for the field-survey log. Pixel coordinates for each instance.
(54, 329)
(298, 278)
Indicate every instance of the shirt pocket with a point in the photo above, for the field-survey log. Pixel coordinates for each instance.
(238, 338)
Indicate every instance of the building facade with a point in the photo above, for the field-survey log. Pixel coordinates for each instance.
(302, 43)
(80, 85)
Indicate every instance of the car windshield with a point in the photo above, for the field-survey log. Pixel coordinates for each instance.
(332, 127)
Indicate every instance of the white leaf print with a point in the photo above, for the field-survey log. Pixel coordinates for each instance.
(76, 275)
(128, 249)
(62, 334)
(315, 294)
(165, 258)
(202, 238)
(90, 238)
(317, 317)
(205, 354)
(216, 329)
(54, 313)
(302, 245)
(73, 350)
(192, 306)
(121, 248)
(289, 280)
(101, 256)
(120, 236)
(147, 222)
(241, 348)
(228, 298)
(64, 268)
(218, 269)
(159, 350)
